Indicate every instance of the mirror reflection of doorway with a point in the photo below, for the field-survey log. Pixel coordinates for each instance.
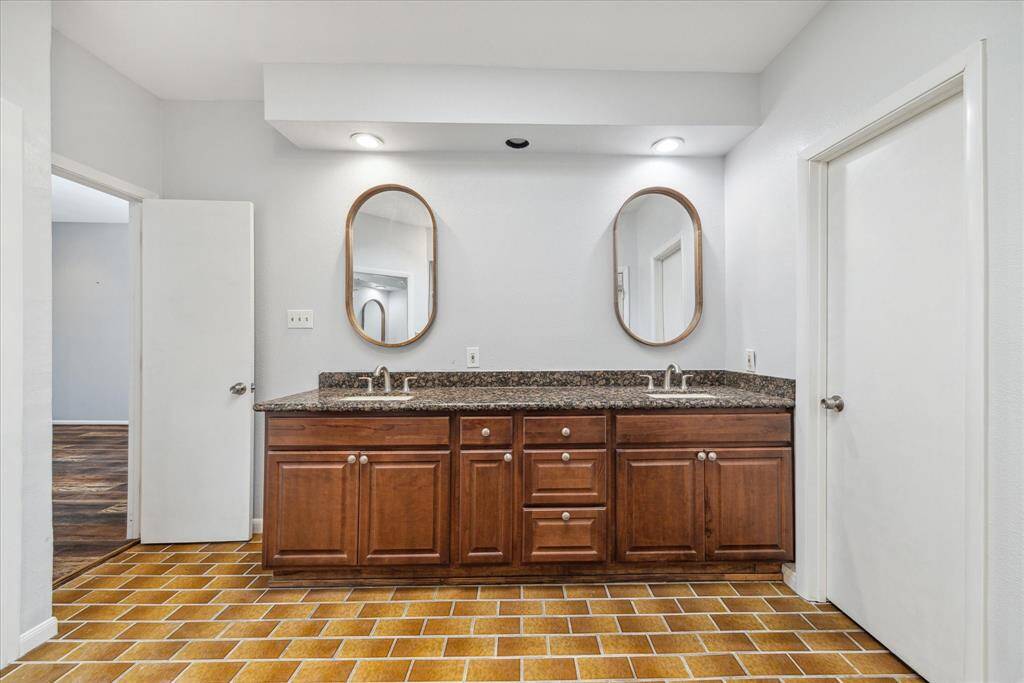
(382, 301)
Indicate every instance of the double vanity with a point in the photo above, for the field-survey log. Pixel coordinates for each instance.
(529, 476)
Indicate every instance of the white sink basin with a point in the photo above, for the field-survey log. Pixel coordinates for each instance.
(679, 395)
(378, 397)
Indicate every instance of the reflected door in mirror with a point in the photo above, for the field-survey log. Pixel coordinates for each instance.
(658, 279)
(392, 238)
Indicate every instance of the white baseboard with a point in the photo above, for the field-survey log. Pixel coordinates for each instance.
(37, 635)
(789, 574)
(257, 525)
(90, 422)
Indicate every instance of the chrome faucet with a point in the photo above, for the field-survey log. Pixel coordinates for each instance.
(672, 367)
(387, 377)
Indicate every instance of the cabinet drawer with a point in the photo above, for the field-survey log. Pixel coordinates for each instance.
(290, 432)
(570, 477)
(485, 431)
(549, 537)
(564, 430)
(703, 428)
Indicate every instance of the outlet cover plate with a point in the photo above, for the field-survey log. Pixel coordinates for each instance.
(472, 356)
(300, 319)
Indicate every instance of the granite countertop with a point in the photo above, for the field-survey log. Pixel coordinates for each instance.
(479, 398)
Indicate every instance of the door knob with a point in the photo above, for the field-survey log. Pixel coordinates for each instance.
(565, 516)
(834, 402)
(238, 388)
(485, 432)
(351, 460)
(565, 457)
(566, 431)
(702, 456)
(363, 460)
(508, 457)
(712, 456)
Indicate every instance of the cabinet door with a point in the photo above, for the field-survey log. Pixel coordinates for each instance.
(749, 504)
(311, 505)
(485, 508)
(403, 508)
(660, 506)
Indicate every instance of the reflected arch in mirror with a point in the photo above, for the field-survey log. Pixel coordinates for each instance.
(657, 266)
(391, 265)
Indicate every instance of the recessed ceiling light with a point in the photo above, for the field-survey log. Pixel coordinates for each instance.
(517, 143)
(666, 145)
(367, 140)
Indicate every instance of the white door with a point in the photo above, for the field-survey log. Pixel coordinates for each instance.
(896, 355)
(197, 344)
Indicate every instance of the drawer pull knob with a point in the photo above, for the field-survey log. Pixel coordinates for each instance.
(702, 456)
(565, 516)
(351, 460)
(565, 457)
(566, 431)
(712, 456)
(508, 457)
(363, 460)
(485, 432)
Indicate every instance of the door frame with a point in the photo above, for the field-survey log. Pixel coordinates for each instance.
(98, 180)
(962, 74)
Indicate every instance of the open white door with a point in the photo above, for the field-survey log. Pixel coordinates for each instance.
(197, 368)
(897, 311)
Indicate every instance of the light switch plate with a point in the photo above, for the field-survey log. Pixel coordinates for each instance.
(472, 356)
(751, 360)
(301, 319)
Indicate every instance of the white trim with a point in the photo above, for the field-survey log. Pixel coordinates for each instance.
(12, 372)
(89, 422)
(789, 574)
(964, 74)
(97, 179)
(80, 173)
(257, 525)
(37, 635)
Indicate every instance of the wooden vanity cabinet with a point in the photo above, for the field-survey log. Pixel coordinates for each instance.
(524, 496)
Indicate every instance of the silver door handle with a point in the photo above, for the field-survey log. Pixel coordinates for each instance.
(702, 456)
(351, 460)
(363, 460)
(238, 388)
(508, 457)
(833, 403)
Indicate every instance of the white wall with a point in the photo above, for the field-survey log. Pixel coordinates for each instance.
(25, 81)
(524, 256)
(91, 280)
(849, 57)
(102, 119)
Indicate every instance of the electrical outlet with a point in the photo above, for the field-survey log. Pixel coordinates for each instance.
(300, 319)
(751, 360)
(472, 356)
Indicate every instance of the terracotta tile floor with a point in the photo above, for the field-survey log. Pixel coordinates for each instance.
(203, 612)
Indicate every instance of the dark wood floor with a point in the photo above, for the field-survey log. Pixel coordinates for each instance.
(90, 494)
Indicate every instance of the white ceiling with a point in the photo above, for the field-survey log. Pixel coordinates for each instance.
(74, 203)
(214, 50)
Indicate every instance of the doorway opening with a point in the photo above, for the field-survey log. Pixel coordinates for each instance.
(92, 293)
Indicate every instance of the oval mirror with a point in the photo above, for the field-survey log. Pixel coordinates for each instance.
(390, 265)
(658, 275)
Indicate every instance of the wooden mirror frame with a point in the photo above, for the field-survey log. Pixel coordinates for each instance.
(349, 265)
(698, 266)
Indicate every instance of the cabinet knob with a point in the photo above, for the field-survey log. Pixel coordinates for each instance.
(702, 456)
(712, 456)
(508, 457)
(363, 460)
(565, 457)
(485, 432)
(351, 460)
(565, 516)
(566, 431)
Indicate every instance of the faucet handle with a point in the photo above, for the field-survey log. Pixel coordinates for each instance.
(405, 383)
(369, 384)
(650, 381)
(685, 382)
